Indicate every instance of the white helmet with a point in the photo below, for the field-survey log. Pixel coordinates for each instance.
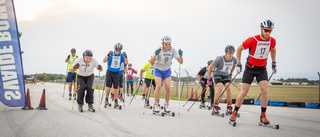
(118, 47)
(267, 24)
(166, 39)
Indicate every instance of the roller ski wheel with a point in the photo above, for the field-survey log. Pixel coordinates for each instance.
(91, 109)
(117, 106)
(233, 123)
(158, 113)
(80, 109)
(170, 113)
(276, 126)
(147, 106)
(121, 100)
(217, 114)
(107, 105)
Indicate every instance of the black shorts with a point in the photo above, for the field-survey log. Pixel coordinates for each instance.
(112, 78)
(121, 81)
(249, 73)
(148, 81)
(221, 79)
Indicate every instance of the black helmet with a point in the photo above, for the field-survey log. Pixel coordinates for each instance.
(267, 24)
(73, 50)
(118, 47)
(129, 64)
(229, 48)
(209, 62)
(87, 53)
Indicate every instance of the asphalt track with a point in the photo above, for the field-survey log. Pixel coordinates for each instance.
(61, 120)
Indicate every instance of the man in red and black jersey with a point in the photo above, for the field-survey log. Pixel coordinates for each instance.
(259, 48)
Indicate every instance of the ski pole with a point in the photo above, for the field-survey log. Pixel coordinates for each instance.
(179, 80)
(99, 89)
(239, 89)
(192, 95)
(66, 80)
(227, 87)
(268, 81)
(103, 91)
(75, 89)
(124, 104)
(135, 94)
(198, 97)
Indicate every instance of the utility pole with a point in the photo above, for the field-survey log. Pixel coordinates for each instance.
(187, 83)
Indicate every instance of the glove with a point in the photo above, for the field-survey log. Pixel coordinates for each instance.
(110, 53)
(202, 82)
(140, 82)
(68, 56)
(76, 66)
(99, 67)
(180, 52)
(125, 54)
(239, 67)
(157, 51)
(208, 82)
(274, 67)
(230, 77)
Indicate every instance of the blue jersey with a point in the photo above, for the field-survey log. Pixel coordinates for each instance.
(115, 61)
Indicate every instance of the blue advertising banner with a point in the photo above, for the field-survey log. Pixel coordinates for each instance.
(12, 89)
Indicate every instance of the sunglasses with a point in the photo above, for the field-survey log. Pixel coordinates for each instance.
(230, 53)
(167, 44)
(267, 30)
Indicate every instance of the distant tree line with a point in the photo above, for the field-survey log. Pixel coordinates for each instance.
(46, 76)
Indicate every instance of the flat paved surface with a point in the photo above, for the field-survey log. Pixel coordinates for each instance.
(61, 120)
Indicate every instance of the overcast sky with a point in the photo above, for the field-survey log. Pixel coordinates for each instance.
(201, 28)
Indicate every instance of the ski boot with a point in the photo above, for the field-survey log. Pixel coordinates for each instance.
(106, 103)
(80, 108)
(116, 105)
(156, 108)
(143, 96)
(166, 108)
(75, 96)
(70, 96)
(263, 119)
(202, 105)
(210, 106)
(112, 97)
(229, 110)
(147, 105)
(121, 98)
(215, 111)
(233, 117)
(90, 108)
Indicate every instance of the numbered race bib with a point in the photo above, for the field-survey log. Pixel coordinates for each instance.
(115, 62)
(130, 72)
(226, 66)
(151, 70)
(262, 49)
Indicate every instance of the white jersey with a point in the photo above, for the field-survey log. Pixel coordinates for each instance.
(86, 69)
(164, 59)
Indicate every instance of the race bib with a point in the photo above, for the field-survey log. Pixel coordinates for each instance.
(130, 72)
(115, 62)
(151, 70)
(262, 50)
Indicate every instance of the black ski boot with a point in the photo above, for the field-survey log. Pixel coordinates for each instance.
(80, 108)
(70, 96)
(90, 108)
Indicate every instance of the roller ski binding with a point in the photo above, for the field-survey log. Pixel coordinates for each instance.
(202, 105)
(156, 110)
(106, 103)
(215, 111)
(232, 119)
(121, 98)
(116, 105)
(147, 105)
(112, 97)
(167, 110)
(80, 108)
(90, 108)
(265, 122)
(229, 110)
(210, 106)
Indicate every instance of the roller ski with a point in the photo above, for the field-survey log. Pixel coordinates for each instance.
(202, 105)
(167, 110)
(90, 108)
(75, 96)
(210, 106)
(232, 119)
(143, 96)
(229, 111)
(147, 105)
(121, 99)
(70, 96)
(156, 110)
(80, 108)
(215, 111)
(107, 104)
(265, 122)
(116, 105)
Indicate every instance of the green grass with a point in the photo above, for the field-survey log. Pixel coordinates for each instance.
(308, 94)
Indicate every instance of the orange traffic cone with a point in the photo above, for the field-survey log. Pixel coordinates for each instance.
(196, 97)
(28, 102)
(191, 95)
(42, 105)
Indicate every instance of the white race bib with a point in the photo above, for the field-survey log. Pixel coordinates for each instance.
(130, 72)
(262, 49)
(151, 70)
(226, 66)
(115, 62)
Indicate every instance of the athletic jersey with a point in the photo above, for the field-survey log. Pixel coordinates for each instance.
(86, 69)
(164, 59)
(71, 61)
(258, 50)
(149, 71)
(131, 71)
(114, 62)
(224, 66)
(203, 73)
(123, 65)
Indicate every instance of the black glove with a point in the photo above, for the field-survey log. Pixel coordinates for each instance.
(125, 54)
(68, 57)
(140, 82)
(274, 67)
(76, 66)
(110, 53)
(202, 82)
(99, 67)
